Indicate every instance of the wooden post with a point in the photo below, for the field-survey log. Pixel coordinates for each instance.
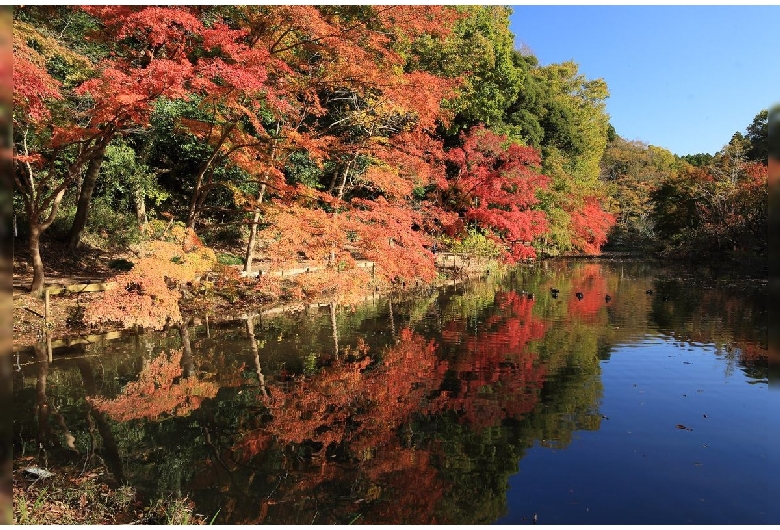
(46, 306)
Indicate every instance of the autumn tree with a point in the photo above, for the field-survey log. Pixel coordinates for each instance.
(716, 212)
(562, 114)
(494, 185)
(633, 171)
(56, 143)
(479, 52)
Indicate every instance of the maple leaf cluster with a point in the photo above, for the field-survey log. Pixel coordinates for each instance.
(496, 183)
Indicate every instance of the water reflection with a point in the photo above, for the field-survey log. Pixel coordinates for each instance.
(412, 410)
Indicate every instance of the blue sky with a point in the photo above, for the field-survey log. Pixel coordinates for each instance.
(680, 77)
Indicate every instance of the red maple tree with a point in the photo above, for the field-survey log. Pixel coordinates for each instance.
(494, 185)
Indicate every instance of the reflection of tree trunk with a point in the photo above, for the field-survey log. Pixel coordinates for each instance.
(334, 329)
(250, 331)
(42, 407)
(187, 364)
(392, 318)
(110, 448)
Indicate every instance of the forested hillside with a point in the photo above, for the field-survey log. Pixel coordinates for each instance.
(337, 134)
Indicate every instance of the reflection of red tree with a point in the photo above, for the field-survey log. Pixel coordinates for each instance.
(156, 393)
(406, 485)
(358, 405)
(720, 318)
(354, 401)
(593, 285)
(500, 376)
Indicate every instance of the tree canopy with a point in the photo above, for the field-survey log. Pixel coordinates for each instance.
(336, 133)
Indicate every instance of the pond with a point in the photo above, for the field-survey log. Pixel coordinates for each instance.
(490, 401)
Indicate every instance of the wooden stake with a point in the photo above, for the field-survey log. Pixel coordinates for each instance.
(46, 307)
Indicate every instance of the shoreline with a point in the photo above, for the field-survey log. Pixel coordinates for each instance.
(63, 328)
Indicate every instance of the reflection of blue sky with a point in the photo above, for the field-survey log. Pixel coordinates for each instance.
(639, 468)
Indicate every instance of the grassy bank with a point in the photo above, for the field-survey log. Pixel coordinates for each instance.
(72, 496)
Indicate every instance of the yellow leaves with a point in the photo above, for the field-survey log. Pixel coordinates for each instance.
(38, 48)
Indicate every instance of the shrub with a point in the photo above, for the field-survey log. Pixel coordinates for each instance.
(148, 294)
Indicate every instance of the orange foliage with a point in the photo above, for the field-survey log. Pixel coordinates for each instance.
(590, 226)
(147, 295)
(357, 401)
(377, 231)
(159, 390)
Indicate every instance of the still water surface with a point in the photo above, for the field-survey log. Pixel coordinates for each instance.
(485, 402)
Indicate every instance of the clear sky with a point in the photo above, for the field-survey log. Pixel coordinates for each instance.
(685, 78)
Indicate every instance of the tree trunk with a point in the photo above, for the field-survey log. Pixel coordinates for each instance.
(85, 198)
(250, 247)
(198, 194)
(35, 258)
(140, 207)
(340, 194)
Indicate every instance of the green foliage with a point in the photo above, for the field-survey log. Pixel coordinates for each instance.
(479, 49)
(229, 259)
(632, 172)
(477, 244)
(699, 159)
(757, 136)
(107, 228)
(301, 169)
(125, 176)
